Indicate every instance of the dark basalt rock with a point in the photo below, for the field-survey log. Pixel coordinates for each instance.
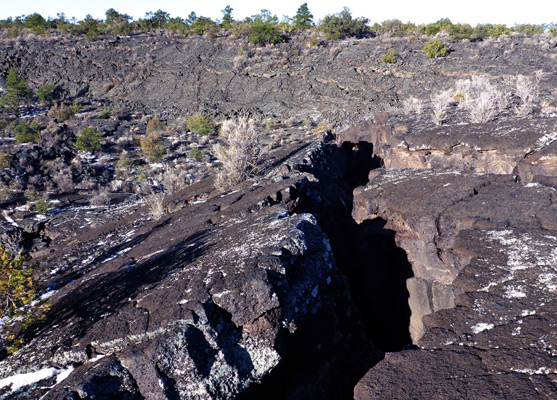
(337, 82)
(205, 302)
(523, 146)
(484, 256)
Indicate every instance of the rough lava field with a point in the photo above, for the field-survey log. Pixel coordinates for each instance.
(397, 239)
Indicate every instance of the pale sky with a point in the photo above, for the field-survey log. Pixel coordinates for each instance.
(473, 12)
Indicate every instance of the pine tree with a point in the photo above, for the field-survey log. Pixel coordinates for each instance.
(227, 19)
(303, 18)
(16, 91)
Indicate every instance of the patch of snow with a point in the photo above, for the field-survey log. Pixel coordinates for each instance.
(97, 358)
(48, 294)
(539, 371)
(11, 221)
(514, 293)
(21, 380)
(64, 374)
(199, 201)
(482, 326)
(546, 139)
(116, 255)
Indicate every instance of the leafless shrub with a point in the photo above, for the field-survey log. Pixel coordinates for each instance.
(240, 62)
(482, 100)
(526, 89)
(548, 107)
(88, 184)
(334, 51)
(34, 180)
(117, 185)
(49, 137)
(413, 105)
(64, 181)
(100, 199)
(439, 104)
(155, 204)
(173, 180)
(125, 141)
(483, 108)
(12, 241)
(241, 154)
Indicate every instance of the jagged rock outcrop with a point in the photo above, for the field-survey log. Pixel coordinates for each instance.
(483, 249)
(202, 303)
(523, 146)
(429, 208)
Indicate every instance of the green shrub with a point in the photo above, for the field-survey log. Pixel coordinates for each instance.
(154, 125)
(42, 206)
(88, 140)
(150, 145)
(89, 28)
(17, 296)
(498, 30)
(435, 48)
(436, 27)
(263, 33)
(105, 114)
(203, 25)
(46, 93)
(17, 288)
(200, 124)
(227, 19)
(389, 57)
(62, 112)
(5, 160)
(36, 23)
(432, 29)
(342, 25)
(122, 28)
(196, 154)
(529, 29)
(25, 133)
(461, 31)
(395, 27)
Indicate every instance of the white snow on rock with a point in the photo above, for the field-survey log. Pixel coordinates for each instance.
(482, 326)
(21, 380)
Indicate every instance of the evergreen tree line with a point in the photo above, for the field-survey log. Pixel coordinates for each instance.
(260, 29)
